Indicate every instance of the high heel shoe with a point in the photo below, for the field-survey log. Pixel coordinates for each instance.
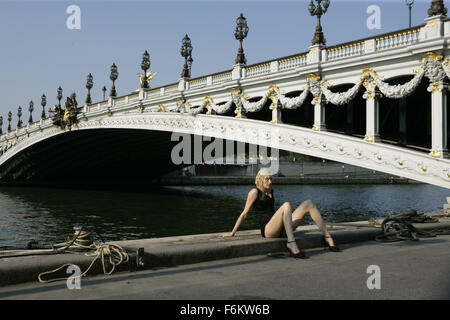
(326, 245)
(299, 255)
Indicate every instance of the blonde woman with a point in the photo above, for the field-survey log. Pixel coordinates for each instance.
(272, 222)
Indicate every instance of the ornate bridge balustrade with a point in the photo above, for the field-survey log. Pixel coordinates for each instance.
(379, 103)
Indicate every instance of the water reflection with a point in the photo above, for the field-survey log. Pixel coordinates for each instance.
(48, 215)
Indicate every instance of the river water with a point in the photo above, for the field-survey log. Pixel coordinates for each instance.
(49, 215)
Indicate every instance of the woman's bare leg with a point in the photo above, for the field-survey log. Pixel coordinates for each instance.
(302, 210)
(282, 218)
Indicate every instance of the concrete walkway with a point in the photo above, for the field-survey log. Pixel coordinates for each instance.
(174, 251)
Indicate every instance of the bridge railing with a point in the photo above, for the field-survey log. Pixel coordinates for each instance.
(396, 39)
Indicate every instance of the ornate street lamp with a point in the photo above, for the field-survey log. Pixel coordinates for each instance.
(186, 51)
(89, 85)
(31, 108)
(319, 10)
(409, 3)
(1, 124)
(9, 120)
(240, 34)
(43, 104)
(73, 97)
(104, 93)
(190, 60)
(59, 96)
(113, 76)
(145, 65)
(437, 8)
(19, 114)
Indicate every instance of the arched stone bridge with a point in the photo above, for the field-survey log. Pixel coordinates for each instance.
(378, 103)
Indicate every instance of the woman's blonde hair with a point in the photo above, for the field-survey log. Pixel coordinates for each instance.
(259, 180)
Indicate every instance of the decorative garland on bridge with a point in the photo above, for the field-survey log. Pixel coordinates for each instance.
(431, 68)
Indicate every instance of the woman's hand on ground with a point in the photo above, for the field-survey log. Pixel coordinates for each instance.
(228, 234)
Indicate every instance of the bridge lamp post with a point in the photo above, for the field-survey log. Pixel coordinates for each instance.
(104, 92)
(9, 120)
(319, 10)
(409, 3)
(186, 51)
(73, 96)
(145, 65)
(113, 76)
(240, 34)
(190, 60)
(89, 85)
(19, 114)
(31, 109)
(1, 124)
(43, 104)
(59, 96)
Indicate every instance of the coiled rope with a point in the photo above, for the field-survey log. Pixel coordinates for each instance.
(112, 253)
(399, 227)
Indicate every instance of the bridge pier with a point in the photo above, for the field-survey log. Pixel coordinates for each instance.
(372, 113)
(276, 113)
(319, 114)
(439, 120)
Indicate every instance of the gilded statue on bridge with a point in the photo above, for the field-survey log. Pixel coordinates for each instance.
(67, 117)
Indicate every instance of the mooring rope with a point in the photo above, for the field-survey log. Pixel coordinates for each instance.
(116, 254)
(83, 242)
(399, 227)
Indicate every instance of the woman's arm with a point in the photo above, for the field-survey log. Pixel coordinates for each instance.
(250, 199)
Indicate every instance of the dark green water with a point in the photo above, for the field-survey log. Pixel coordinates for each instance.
(48, 215)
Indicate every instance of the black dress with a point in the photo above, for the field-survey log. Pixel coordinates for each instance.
(264, 207)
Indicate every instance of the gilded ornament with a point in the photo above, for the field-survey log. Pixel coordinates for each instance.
(369, 138)
(436, 87)
(238, 113)
(432, 55)
(431, 24)
(148, 77)
(314, 77)
(436, 154)
(208, 102)
(237, 91)
(273, 94)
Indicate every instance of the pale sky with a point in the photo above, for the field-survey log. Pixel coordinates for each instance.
(39, 52)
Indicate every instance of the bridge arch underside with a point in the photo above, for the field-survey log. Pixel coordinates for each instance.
(114, 157)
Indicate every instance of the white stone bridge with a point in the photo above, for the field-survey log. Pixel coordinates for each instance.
(378, 103)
